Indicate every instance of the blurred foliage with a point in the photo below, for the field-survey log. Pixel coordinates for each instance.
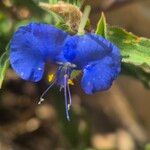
(147, 147)
(74, 2)
(5, 29)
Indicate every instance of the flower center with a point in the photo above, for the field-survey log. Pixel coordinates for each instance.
(62, 78)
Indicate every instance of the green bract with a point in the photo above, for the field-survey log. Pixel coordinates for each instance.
(102, 26)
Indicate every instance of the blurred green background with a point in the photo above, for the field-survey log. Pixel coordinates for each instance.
(116, 119)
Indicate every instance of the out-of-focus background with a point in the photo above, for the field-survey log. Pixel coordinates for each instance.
(116, 119)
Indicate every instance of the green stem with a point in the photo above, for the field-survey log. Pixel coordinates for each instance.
(84, 19)
(80, 3)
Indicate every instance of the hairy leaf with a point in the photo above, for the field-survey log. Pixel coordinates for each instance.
(135, 50)
(135, 53)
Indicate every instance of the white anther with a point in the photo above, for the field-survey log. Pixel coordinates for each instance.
(41, 100)
(69, 106)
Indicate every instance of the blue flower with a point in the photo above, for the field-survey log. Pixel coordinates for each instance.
(36, 44)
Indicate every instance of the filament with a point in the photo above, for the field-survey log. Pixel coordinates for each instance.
(65, 95)
(70, 99)
(43, 94)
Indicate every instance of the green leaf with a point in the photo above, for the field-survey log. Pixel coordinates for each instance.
(135, 53)
(102, 26)
(4, 63)
(135, 50)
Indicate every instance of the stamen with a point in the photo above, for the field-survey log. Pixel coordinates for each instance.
(70, 82)
(65, 94)
(41, 100)
(70, 99)
(60, 89)
(50, 77)
(43, 94)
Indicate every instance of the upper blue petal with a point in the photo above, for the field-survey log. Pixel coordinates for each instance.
(82, 50)
(32, 46)
(99, 59)
(99, 75)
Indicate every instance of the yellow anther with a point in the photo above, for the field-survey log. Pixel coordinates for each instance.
(70, 82)
(50, 77)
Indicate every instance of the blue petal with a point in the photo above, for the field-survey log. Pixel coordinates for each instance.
(99, 75)
(82, 50)
(32, 46)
